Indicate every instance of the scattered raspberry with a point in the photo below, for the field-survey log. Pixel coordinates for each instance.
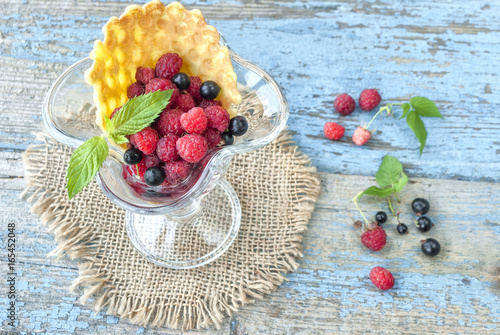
(168, 65)
(145, 140)
(144, 75)
(114, 112)
(177, 170)
(381, 278)
(369, 99)
(333, 131)
(192, 147)
(170, 122)
(207, 103)
(218, 118)
(184, 102)
(194, 121)
(194, 89)
(344, 104)
(213, 137)
(135, 90)
(131, 172)
(152, 160)
(361, 136)
(166, 149)
(158, 84)
(374, 239)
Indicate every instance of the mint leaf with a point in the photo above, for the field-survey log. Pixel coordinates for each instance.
(379, 192)
(84, 164)
(389, 171)
(109, 124)
(118, 139)
(406, 108)
(139, 112)
(417, 125)
(425, 107)
(398, 186)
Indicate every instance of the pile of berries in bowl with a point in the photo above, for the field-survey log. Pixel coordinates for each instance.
(184, 136)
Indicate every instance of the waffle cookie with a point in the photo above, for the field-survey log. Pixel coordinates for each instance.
(140, 36)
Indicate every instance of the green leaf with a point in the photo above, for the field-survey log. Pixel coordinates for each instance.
(389, 171)
(139, 112)
(118, 139)
(398, 186)
(109, 124)
(84, 164)
(379, 192)
(425, 107)
(406, 108)
(417, 125)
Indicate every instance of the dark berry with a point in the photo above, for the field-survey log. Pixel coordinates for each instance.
(209, 90)
(154, 176)
(420, 206)
(181, 80)
(132, 156)
(431, 247)
(402, 228)
(424, 224)
(381, 217)
(227, 137)
(238, 125)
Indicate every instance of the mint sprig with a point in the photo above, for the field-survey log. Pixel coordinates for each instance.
(135, 115)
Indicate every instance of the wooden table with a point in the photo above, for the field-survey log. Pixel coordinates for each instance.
(446, 51)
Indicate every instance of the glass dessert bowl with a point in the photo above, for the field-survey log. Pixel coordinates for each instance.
(194, 222)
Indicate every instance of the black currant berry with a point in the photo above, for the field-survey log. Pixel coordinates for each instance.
(402, 228)
(381, 217)
(431, 247)
(424, 224)
(227, 137)
(238, 125)
(420, 206)
(132, 156)
(154, 176)
(181, 80)
(209, 90)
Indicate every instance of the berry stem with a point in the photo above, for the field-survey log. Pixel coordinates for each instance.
(355, 200)
(396, 215)
(387, 108)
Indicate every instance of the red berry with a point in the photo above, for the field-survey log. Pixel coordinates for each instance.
(207, 103)
(333, 131)
(166, 148)
(361, 136)
(152, 160)
(184, 102)
(168, 65)
(177, 170)
(218, 118)
(213, 137)
(344, 104)
(194, 88)
(170, 122)
(144, 75)
(114, 112)
(194, 121)
(134, 172)
(158, 84)
(135, 90)
(145, 140)
(374, 239)
(192, 147)
(381, 278)
(369, 99)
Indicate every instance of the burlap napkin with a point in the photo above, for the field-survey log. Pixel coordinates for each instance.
(277, 188)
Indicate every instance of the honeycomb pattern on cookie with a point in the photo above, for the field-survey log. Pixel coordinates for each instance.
(140, 36)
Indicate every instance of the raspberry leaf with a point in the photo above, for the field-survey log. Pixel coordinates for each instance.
(379, 192)
(398, 186)
(406, 108)
(424, 107)
(389, 171)
(417, 125)
(84, 164)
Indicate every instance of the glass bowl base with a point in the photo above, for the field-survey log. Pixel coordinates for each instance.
(191, 238)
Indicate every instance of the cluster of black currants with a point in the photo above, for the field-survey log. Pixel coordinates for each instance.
(430, 246)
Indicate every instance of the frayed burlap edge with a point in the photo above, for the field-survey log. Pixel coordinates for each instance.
(48, 205)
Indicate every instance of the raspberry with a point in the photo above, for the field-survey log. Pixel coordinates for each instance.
(369, 99)
(158, 84)
(152, 160)
(194, 121)
(170, 122)
(114, 112)
(144, 75)
(192, 147)
(194, 88)
(166, 149)
(218, 118)
(361, 136)
(135, 90)
(131, 172)
(177, 170)
(207, 103)
(333, 131)
(344, 104)
(213, 137)
(374, 239)
(184, 102)
(145, 140)
(381, 278)
(168, 65)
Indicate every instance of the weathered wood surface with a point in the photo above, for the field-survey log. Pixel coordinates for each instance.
(442, 50)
